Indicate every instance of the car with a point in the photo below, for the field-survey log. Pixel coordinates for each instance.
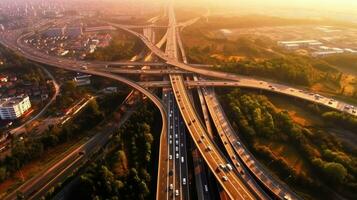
(209, 148)
(171, 172)
(242, 172)
(84, 67)
(287, 197)
(225, 178)
(206, 188)
(176, 148)
(233, 157)
(81, 153)
(171, 186)
(203, 136)
(238, 143)
(176, 142)
(170, 141)
(222, 166)
(176, 136)
(177, 156)
(184, 181)
(237, 164)
(189, 123)
(177, 193)
(229, 167)
(170, 157)
(182, 159)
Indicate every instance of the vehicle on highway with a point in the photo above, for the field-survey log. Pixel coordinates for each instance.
(171, 187)
(206, 188)
(229, 166)
(182, 159)
(225, 178)
(170, 157)
(84, 67)
(177, 193)
(177, 156)
(184, 181)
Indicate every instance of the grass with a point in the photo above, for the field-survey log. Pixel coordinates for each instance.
(288, 153)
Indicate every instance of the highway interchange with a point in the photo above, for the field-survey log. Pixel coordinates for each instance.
(238, 173)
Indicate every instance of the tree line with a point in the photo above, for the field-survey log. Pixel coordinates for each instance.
(256, 118)
(124, 171)
(32, 148)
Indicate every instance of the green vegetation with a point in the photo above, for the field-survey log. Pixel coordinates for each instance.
(24, 70)
(119, 49)
(26, 150)
(344, 62)
(276, 139)
(124, 173)
(295, 70)
(341, 119)
(248, 21)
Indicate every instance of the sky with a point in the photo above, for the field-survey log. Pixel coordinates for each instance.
(285, 3)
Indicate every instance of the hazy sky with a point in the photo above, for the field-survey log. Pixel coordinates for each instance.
(300, 3)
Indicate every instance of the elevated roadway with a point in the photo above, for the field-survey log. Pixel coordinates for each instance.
(231, 139)
(24, 51)
(209, 151)
(250, 82)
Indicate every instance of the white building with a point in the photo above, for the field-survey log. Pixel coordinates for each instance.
(82, 80)
(299, 44)
(14, 108)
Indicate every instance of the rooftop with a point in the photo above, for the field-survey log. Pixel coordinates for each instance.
(7, 102)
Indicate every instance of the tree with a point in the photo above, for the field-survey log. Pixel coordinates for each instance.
(3, 173)
(335, 172)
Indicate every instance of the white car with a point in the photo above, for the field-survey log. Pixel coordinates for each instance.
(184, 181)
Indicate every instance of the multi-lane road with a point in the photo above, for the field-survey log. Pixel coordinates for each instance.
(177, 111)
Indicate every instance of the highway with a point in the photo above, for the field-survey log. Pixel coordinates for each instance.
(232, 181)
(213, 157)
(144, 71)
(68, 65)
(177, 140)
(250, 82)
(231, 139)
(20, 129)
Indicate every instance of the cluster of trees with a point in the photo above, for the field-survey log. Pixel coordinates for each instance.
(228, 50)
(27, 150)
(258, 119)
(341, 119)
(293, 70)
(124, 172)
(249, 21)
(25, 70)
(117, 50)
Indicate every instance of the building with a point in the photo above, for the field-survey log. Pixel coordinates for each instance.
(82, 80)
(4, 79)
(14, 108)
(326, 51)
(100, 29)
(54, 32)
(299, 44)
(74, 32)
